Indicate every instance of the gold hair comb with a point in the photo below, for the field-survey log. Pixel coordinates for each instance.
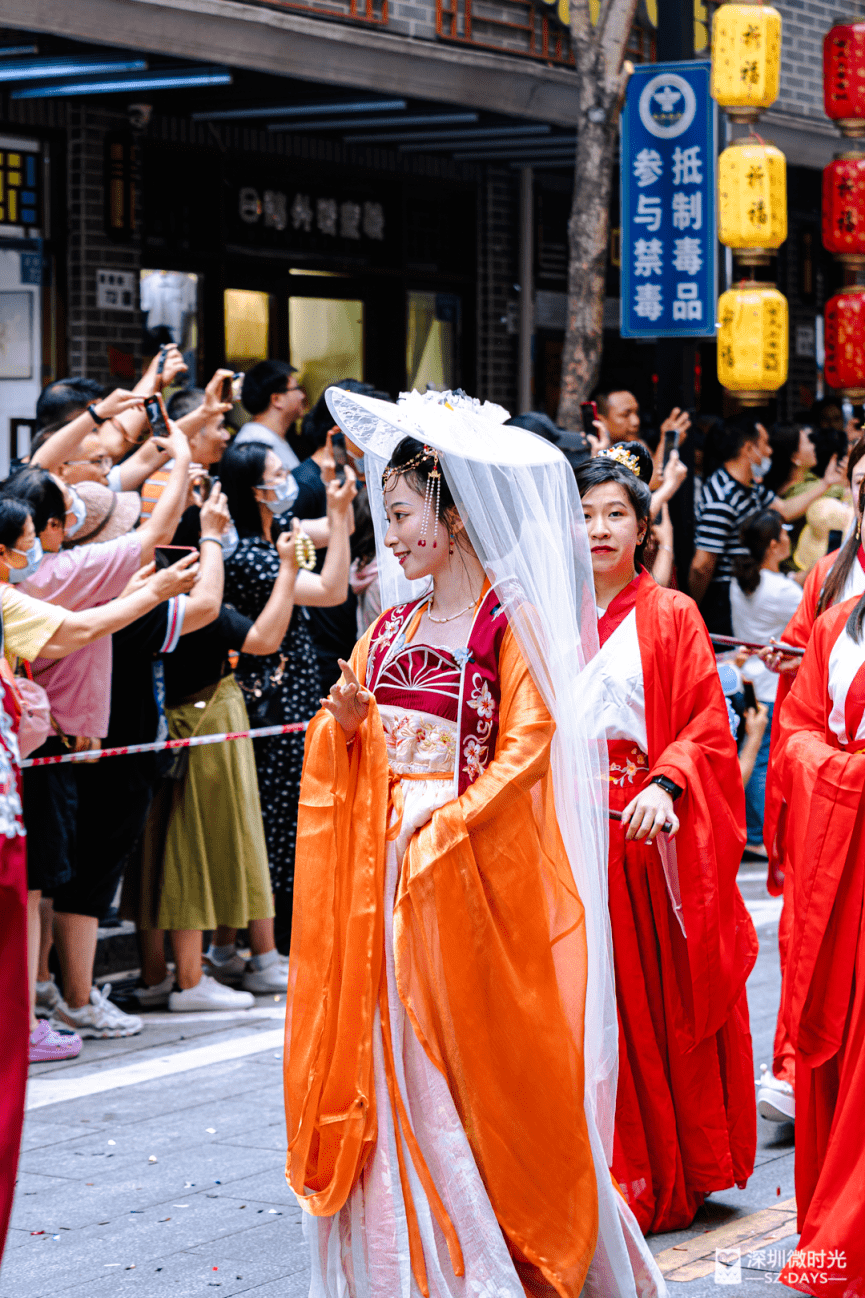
(626, 458)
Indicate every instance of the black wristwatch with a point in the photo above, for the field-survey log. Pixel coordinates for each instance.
(98, 420)
(667, 785)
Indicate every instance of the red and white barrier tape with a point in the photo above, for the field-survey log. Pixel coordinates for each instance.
(96, 754)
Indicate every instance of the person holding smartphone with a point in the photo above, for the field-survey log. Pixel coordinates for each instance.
(762, 601)
(285, 685)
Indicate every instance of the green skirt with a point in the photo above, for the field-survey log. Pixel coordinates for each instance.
(203, 858)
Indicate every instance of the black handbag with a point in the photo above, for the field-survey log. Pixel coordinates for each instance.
(263, 697)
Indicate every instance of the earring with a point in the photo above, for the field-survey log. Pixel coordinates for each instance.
(451, 546)
(433, 488)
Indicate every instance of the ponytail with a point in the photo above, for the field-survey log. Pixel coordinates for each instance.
(756, 534)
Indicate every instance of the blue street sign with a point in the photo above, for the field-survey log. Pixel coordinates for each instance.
(669, 249)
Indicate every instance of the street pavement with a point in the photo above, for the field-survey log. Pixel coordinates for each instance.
(154, 1165)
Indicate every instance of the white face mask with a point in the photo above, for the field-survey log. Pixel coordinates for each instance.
(33, 557)
(761, 469)
(79, 509)
(284, 496)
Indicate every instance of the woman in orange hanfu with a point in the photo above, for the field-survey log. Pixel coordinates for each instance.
(837, 577)
(450, 1061)
(820, 764)
(683, 942)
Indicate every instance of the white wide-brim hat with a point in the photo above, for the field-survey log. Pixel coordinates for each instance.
(452, 423)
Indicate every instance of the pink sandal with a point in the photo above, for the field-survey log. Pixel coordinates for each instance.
(46, 1044)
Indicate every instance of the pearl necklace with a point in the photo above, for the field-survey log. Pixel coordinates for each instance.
(453, 617)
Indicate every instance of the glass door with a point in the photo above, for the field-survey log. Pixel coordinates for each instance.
(326, 341)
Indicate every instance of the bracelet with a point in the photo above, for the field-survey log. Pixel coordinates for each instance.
(98, 420)
(214, 539)
(667, 785)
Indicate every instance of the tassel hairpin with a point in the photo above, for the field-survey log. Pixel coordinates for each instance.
(433, 487)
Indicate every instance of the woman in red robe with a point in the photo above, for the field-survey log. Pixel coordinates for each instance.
(836, 577)
(820, 764)
(683, 943)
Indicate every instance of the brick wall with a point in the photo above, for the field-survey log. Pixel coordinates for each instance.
(804, 23)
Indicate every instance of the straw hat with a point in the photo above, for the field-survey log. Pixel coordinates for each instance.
(824, 516)
(109, 513)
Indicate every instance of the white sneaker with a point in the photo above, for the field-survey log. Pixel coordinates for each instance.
(98, 1019)
(47, 998)
(776, 1100)
(272, 979)
(156, 997)
(209, 995)
(230, 972)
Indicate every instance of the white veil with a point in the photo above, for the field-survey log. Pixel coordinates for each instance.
(518, 499)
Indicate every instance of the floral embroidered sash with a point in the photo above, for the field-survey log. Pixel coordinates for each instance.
(480, 689)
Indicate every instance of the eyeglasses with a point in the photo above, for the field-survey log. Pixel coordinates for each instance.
(103, 462)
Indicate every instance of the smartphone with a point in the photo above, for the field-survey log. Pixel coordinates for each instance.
(166, 555)
(671, 442)
(231, 386)
(589, 411)
(340, 455)
(160, 364)
(154, 408)
(203, 486)
(750, 696)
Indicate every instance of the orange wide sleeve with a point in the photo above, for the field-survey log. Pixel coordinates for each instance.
(491, 965)
(335, 966)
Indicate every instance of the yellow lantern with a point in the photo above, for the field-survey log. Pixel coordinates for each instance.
(746, 59)
(752, 341)
(752, 200)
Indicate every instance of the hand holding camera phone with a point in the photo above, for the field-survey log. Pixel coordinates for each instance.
(231, 386)
(157, 416)
(166, 555)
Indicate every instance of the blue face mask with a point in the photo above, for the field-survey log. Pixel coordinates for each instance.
(79, 509)
(33, 557)
(284, 496)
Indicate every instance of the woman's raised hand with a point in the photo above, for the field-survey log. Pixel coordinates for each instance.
(339, 497)
(348, 701)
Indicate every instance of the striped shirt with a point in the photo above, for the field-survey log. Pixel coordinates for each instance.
(724, 505)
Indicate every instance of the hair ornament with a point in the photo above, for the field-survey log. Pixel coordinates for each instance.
(427, 458)
(626, 458)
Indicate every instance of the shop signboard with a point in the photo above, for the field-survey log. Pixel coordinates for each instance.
(311, 215)
(668, 221)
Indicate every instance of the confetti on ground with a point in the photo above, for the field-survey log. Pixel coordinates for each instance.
(152, 1159)
(112, 1142)
(180, 1205)
(211, 1131)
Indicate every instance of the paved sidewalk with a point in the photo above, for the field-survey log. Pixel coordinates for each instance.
(154, 1165)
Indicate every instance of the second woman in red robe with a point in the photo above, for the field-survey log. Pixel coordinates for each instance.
(683, 943)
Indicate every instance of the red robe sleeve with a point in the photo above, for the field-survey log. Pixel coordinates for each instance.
(797, 632)
(689, 741)
(824, 789)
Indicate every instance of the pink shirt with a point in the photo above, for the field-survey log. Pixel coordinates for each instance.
(79, 686)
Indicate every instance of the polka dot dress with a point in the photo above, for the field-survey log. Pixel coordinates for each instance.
(250, 574)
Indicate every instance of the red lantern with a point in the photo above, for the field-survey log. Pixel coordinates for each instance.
(844, 77)
(845, 342)
(844, 208)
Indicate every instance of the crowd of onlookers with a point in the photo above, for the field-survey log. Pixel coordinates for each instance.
(158, 584)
